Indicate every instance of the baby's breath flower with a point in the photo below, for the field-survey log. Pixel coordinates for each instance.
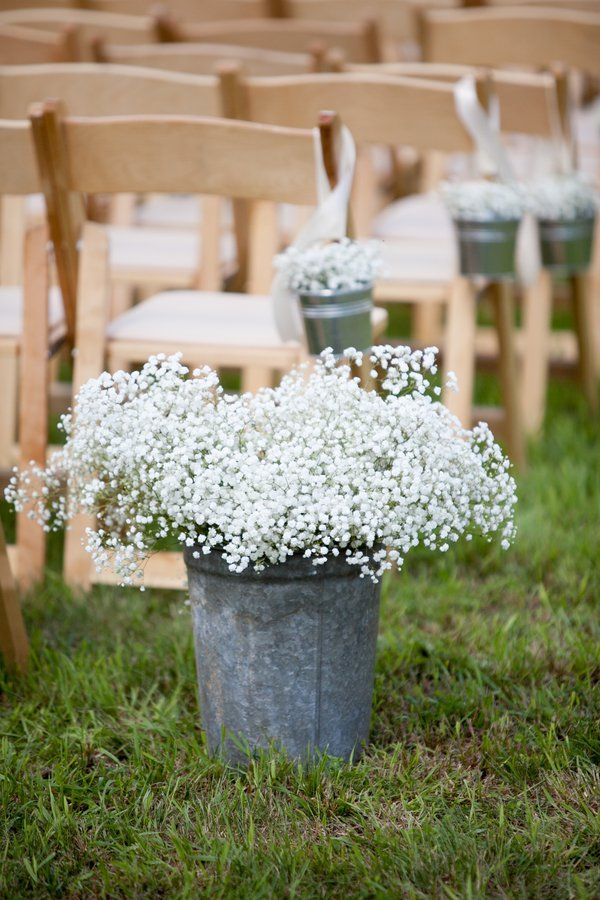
(338, 266)
(318, 467)
(559, 197)
(483, 201)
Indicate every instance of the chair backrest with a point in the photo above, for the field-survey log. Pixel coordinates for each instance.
(112, 27)
(201, 59)
(170, 154)
(20, 45)
(92, 89)
(189, 10)
(378, 109)
(527, 36)
(396, 19)
(530, 102)
(359, 41)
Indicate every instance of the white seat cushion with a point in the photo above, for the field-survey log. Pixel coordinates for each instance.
(419, 216)
(11, 311)
(419, 260)
(205, 317)
(160, 250)
(418, 241)
(169, 211)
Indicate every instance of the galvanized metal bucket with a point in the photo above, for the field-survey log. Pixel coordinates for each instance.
(566, 245)
(285, 656)
(487, 248)
(339, 319)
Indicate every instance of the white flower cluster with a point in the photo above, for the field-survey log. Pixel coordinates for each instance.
(337, 266)
(560, 197)
(483, 201)
(318, 466)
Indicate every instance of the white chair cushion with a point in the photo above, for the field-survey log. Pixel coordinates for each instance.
(419, 216)
(419, 260)
(11, 311)
(205, 317)
(418, 241)
(164, 250)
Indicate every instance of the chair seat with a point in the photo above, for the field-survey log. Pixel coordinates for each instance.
(419, 261)
(206, 318)
(160, 253)
(11, 313)
(419, 216)
(169, 211)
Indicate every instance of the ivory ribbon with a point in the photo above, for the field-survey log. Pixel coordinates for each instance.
(327, 223)
(485, 131)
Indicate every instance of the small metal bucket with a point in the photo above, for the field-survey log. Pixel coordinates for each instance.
(338, 319)
(566, 245)
(487, 248)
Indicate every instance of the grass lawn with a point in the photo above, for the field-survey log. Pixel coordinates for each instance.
(481, 779)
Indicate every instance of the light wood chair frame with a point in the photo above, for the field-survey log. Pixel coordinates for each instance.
(35, 345)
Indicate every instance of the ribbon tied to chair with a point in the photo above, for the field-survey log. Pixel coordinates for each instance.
(328, 222)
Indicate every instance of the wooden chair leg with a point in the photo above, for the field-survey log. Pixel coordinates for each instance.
(8, 414)
(256, 377)
(33, 398)
(427, 324)
(594, 304)
(535, 363)
(582, 314)
(13, 637)
(93, 293)
(502, 298)
(459, 349)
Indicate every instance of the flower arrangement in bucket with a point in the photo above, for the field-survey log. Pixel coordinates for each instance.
(486, 215)
(290, 505)
(565, 207)
(334, 283)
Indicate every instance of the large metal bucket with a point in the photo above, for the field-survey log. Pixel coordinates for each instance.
(566, 245)
(285, 656)
(337, 319)
(487, 248)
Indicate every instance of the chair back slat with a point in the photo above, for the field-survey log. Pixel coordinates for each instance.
(378, 109)
(176, 154)
(522, 36)
(91, 89)
(202, 58)
(396, 19)
(114, 27)
(527, 99)
(188, 10)
(357, 40)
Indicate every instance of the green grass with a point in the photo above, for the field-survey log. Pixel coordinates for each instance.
(481, 779)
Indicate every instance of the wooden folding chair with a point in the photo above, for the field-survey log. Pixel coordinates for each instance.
(388, 110)
(359, 41)
(530, 37)
(257, 163)
(531, 105)
(34, 322)
(158, 257)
